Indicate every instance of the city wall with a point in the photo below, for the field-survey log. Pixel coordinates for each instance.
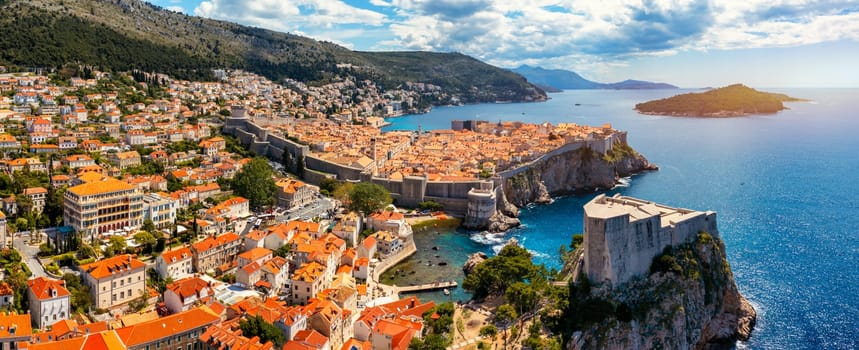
(407, 192)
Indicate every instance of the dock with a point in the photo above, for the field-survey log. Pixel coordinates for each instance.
(426, 287)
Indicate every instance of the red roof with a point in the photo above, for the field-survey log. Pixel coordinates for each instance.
(107, 267)
(160, 328)
(45, 288)
(176, 255)
(210, 242)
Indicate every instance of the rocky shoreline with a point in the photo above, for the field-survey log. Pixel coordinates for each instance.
(575, 172)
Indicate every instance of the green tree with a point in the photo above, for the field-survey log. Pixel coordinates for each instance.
(255, 182)
(430, 205)
(148, 226)
(488, 330)
(286, 159)
(505, 313)
(366, 197)
(257, 326)
(299, 166)
(283, 251)
(522, 296)
(146, 240)
(80, 299)
(494, 275)
(115, 245)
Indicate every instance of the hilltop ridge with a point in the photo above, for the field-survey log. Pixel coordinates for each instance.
(565, 79)
(131, 34)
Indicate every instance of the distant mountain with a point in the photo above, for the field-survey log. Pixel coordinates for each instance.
(569, 80)
(132, 34)
(730, 101)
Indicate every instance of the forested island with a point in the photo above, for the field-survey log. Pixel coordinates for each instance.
(730, 101)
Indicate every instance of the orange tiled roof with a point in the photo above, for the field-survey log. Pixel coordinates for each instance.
(212, 242)
(150, 331)
(20, 324)
(171, 256)
(222, 337)
(189, 286)
(105, 185)
(35, 190)
(43, 288)
(103, 268)
(308, 272)
(255, 254)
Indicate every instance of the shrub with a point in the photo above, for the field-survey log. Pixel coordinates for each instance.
(488, 331)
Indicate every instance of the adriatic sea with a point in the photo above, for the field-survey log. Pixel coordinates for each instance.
(785, 186)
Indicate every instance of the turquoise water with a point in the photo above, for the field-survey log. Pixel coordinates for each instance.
(784, 187)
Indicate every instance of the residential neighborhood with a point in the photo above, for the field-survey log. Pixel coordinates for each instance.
(124, 205)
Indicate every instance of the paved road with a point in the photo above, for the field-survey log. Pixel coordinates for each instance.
(28, 254)
(309, 211)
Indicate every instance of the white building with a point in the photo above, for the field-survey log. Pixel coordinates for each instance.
(160, 209)
(176, 264)
(49, 301)
(183, 294)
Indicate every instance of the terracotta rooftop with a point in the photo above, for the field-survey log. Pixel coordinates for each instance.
(151, 331)
(106, 185)
(46, 288)
(104, 268)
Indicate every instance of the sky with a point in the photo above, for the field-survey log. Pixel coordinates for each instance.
(689, 43)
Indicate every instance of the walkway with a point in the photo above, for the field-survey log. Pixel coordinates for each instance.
(427, 286)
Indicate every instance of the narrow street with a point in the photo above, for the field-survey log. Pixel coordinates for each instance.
(28, 253)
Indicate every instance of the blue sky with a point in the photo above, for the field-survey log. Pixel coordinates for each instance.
(690, 43)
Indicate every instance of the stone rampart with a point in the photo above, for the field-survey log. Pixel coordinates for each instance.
(624, 234)
(408, 192)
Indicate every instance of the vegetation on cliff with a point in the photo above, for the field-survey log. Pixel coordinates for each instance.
(730, 101)
(130, 34)
(689, 300)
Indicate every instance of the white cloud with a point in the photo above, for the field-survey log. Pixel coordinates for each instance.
(289, 15)
(380, 3)
(595, 35)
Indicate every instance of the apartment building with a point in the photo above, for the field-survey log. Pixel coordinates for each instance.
(175, 263)
(161, 209)
(114, 281)
(213, 252)
(100, 206)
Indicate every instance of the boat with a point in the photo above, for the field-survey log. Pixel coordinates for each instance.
(434, 248)
(442, 263)
(578, 104)
(446, 292)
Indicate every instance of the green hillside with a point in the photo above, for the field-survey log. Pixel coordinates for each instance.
(125, 34)
(729, 101)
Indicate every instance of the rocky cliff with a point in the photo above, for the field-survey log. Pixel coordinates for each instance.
(689, 301)
(574, 172)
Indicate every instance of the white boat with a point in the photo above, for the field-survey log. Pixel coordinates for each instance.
(446, 292)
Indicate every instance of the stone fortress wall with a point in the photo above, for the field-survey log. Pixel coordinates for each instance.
(623, 235)
(409, 191)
